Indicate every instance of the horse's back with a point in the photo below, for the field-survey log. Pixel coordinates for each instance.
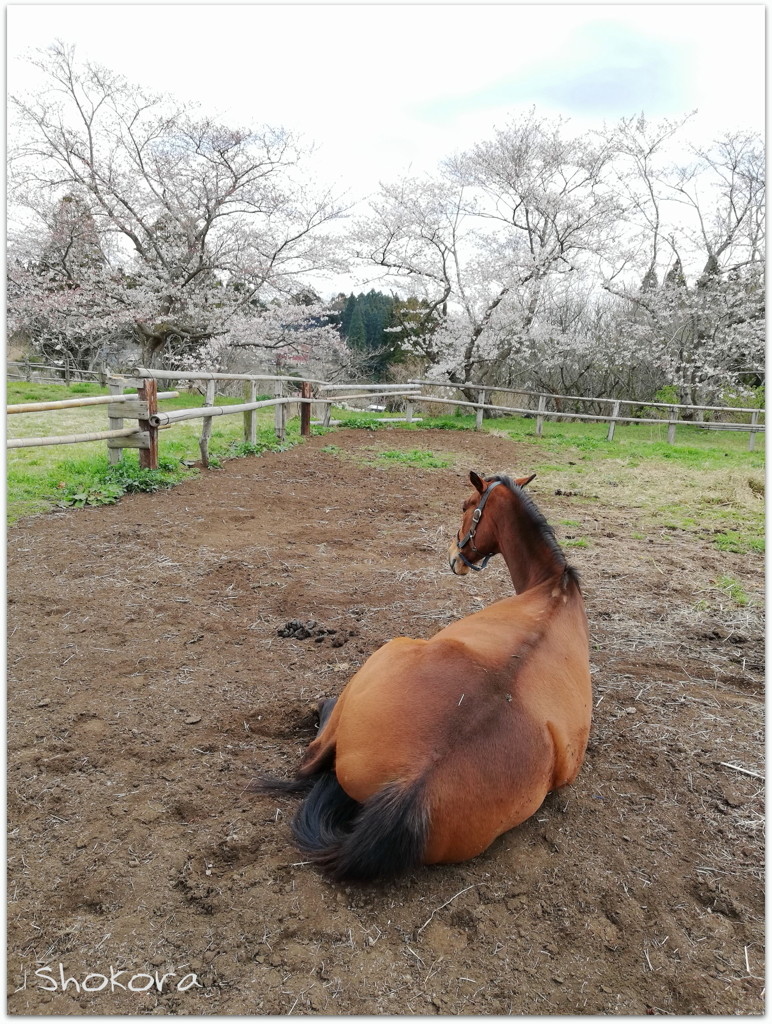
(396, 715)
(493, 712)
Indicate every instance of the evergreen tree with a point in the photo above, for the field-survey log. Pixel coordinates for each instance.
(356, 336)
(348, 312)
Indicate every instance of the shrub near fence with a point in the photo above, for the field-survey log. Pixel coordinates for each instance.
(143, 407)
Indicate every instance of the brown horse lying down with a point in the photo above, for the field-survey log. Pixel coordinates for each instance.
(435, 747)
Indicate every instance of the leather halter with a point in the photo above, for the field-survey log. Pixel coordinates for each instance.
(476, 517)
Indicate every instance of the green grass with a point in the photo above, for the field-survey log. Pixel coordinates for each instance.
(733, 589)
(586, 441)
(739, 541)
(417, 457)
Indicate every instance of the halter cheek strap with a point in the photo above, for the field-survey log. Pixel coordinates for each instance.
(476, 517)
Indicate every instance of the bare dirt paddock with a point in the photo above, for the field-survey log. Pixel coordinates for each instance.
(148, 683)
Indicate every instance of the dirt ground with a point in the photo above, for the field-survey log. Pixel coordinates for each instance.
(147, 684)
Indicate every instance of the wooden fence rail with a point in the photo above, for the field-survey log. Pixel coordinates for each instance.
(42, 442)
(74, 403)
(581, 398)
(65, 371)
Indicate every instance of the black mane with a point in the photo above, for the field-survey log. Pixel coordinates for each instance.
(543, 528)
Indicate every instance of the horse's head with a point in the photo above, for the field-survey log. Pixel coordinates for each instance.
(476, 538)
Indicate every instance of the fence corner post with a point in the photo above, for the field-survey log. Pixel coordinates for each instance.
(408, 411)
(148, 457)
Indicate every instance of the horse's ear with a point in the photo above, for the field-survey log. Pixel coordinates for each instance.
(477, 482)
(521, 481)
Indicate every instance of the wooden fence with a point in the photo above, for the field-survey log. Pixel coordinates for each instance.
(57, 373)
(541, 411)
(143, 408)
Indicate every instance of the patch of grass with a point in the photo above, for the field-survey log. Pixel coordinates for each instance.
(739, 542)
(358, 421)
(576, 542)
(106, 483)
(416, 457)
(569, 522)
(268, 443)
(638, 536)
(734, 589)
(19, 392)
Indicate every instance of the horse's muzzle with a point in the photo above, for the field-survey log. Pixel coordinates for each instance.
(456, 564)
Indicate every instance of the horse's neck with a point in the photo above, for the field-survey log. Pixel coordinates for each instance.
(530, 559)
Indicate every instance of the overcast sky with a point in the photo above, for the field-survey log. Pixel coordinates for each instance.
(385, 87)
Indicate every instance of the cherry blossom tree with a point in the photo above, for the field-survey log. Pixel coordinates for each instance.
(595, 264)
(485, 240)
(201, 225)
(691, 279)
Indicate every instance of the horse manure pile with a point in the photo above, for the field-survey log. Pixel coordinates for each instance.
(298, 630)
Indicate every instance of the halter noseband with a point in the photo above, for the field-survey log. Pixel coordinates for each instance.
(476, 517)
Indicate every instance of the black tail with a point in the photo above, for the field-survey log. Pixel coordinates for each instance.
(267, 784)
(374, 841)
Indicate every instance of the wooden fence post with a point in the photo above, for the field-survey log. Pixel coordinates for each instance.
(115, 454)
(479, 417)
(540, 415)
(250, 418)
(671, 425)
(66, 369)
(148, 457)
(327, 414)
(613, 421)
(408, 411)
(280, 412)
(752, 435)
(206, 429)
(305, 410)
(27, 370)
